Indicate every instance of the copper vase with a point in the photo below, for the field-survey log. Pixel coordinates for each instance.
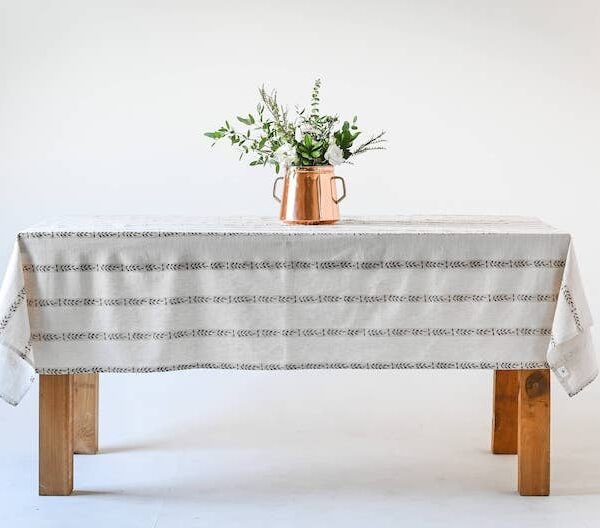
(309, 195)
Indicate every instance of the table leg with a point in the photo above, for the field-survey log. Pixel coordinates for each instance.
(56, 435)
(85, 413)
(505, 412)
(534, 432)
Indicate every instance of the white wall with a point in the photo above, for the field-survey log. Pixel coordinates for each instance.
(491, 107)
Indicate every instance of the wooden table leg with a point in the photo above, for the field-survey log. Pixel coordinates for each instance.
(56, 435)
(505, 412)
(534, 432)
(85, 413)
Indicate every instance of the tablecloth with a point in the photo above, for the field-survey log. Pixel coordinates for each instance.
(141, 294)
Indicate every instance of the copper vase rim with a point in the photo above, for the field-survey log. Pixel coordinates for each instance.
(311, 169)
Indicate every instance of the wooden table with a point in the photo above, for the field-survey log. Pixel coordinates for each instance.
(520, 418)
(151, 294)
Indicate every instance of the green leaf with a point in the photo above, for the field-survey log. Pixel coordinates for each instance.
(214, 135)
(307, 140)
(244, 120)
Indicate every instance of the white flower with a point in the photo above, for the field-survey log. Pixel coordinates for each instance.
(285, 154)
(334, 154)
(299, 135)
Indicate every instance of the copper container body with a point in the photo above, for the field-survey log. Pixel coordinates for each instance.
(309, 195)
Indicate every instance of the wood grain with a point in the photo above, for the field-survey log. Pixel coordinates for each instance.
(85, 413)
(534, 432)
(505, 412)
(56, 435)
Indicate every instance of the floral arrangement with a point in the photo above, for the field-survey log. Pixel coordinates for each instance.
(271, 137)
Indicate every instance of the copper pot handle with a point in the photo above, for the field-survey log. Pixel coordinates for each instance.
(343, 189)
(277, 199)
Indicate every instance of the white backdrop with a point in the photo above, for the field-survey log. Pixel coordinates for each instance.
(490, 107)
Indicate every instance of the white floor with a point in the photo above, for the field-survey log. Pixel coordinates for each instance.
(310, 449)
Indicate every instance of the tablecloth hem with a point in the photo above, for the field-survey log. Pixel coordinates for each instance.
(16, 375)
(404, 365)
(9, 400)
(583, 386)
(571, 353)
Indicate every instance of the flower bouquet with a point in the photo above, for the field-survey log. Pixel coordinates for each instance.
(306, 146)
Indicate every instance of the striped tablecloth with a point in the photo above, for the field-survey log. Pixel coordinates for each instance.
(123, 294)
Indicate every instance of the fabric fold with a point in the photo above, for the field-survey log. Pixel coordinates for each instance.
(16, 359)
(571, 354)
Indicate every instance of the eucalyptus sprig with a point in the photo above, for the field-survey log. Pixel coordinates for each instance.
(270, 138)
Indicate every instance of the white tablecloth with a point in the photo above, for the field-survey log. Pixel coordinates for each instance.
(96, 294)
